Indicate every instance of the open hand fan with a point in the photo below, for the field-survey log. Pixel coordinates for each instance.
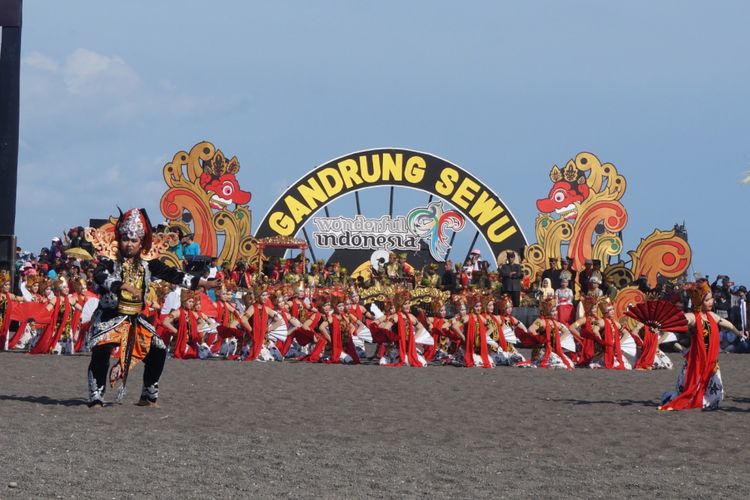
(660, 315)
(628, 345)
(364, 334)
(567, 342)
(510, 334)
(667, 338)
(279, 333)
(376, 311)
(423, 337)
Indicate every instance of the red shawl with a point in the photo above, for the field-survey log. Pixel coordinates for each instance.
(301, 335)
(548, 345)
(5, 326)
(260, 326)
(50, 336)
(187, 336)
(612, 348)
(700, 366)
(337, 338)
(75, 325)
(358, 311)
(436, 331)
(648, 350)
(299, 310)
(587, 343)
(475, 327)
(407, 347)
(500, 335)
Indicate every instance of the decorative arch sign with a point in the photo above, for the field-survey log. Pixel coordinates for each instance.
(472, 200)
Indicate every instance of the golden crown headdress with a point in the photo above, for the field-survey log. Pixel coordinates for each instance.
(548, 307)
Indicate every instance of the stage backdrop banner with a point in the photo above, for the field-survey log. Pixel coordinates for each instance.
(473, 199)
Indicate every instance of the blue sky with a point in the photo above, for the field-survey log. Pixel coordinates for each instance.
(111, 90)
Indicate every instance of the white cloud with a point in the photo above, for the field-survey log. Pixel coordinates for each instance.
(86, 72)
(86, 84)
(39, 61)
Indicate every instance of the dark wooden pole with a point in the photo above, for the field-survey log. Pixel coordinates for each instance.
(10, 71)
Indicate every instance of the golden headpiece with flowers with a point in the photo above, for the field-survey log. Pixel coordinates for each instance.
(697, 292)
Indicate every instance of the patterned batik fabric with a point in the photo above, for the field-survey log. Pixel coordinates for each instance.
(712, 396)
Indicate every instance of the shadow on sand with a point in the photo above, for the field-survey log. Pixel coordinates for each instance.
(44, 400)
(618, 402)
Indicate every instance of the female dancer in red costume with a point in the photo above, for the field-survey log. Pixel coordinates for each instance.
(260, 319)
(403, 351)
(499, 327)
(586, 331)
(474, 328)
(186, 334)
(339, 326)
(549, 333)
(80, 324)
(699, 384)
(7, 299)
(445, 340)
(609, 336)
(57, 337)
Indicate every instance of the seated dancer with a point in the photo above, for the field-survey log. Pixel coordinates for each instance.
(586, 331)
(651, 358)
(260, 319)
(186, 333)
(699, 384)
(445, 340)
(474, 327)
(549, 333)
(610, 336)
(228, 316)
(499, 326)
(361, 315)
(383, 333)
(81, 323)
(304, 319)
(118, 321)
(57, 337)
(339, 326)
(7, 299)
(403, 351)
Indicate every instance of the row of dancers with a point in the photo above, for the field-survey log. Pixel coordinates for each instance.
(334, 326)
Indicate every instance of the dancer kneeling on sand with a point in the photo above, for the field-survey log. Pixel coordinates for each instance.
(551, 336)
(403, 352)
(611, 355)
(261, 319)
(7, 300)
(501, 329)
(57, 337)
(183, 325)
(474, 328)
(699, 384)
(118, 319)
(339, 326)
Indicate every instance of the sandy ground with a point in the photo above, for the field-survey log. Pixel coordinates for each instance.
(228, 429)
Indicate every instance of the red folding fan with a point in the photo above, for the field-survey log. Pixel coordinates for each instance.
(659, 314)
